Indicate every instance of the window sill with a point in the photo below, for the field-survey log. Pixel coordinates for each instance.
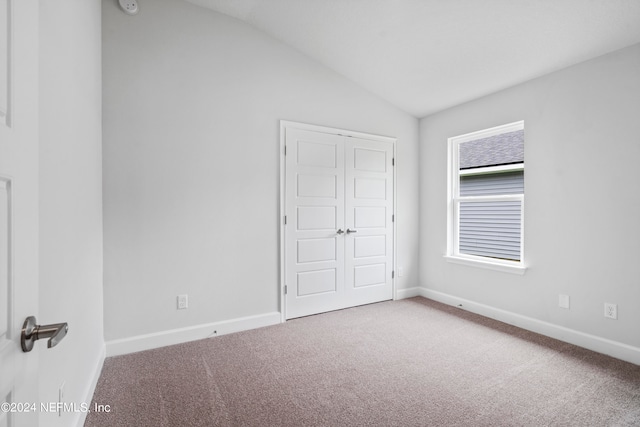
(513, 269)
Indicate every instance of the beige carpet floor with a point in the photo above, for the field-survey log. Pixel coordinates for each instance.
(412, 362)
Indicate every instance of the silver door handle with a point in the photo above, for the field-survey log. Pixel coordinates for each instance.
(31, 332)
(349, 231)
(339, 231)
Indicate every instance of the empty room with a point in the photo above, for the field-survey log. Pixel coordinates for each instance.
(319, 213)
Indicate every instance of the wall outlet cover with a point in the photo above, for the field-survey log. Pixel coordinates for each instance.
(610, 310)
(563, 301)
(183, 302)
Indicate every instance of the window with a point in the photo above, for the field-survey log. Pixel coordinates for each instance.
(486, 198)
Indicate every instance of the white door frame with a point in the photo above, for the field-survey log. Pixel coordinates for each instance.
(284, 125)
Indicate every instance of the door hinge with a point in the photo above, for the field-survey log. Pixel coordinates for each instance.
(393, 218)
(285, 150)
(393, 161)
(285, 220)
(393, 274)
(285, 289)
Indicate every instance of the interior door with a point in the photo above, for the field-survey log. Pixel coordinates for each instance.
(339, 230)
(315, 222)
(18, 206)
(369, 221)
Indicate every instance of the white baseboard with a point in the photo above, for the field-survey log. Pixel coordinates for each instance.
(191, 333)
(91, 387)
(571, 336)
(408, 293)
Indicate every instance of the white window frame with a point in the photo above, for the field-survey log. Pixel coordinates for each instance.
(454, 199)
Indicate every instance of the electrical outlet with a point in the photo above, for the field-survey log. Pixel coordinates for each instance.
(610, 310)
(183, 302)
(563, 301)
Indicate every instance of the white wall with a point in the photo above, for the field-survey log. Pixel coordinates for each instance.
(582, 203)
(192, 103)
(70, 200)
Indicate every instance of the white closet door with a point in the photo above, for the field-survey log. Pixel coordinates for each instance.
(368, 218)
(315, 216)
(18, 208)
(339, 230)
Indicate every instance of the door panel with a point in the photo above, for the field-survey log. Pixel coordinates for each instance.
(370, 160)
(7, 350)
(316, 153)
(369, 246)
(317, 218)
(369, 217)
(317, 186)
(368, 213)
(368, 275)
(4, 59)
(316, 282)
(5, 244)
(332, 183)
(314, 253)
(367, 188)
(18, 202)
(314, 250)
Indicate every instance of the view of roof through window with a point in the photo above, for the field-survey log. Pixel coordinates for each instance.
(503, 149)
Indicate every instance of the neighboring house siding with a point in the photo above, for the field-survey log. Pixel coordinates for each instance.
(492, 184)
(491, 229)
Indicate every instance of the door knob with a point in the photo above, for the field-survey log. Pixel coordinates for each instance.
(31, 332)
(339, 231)
(349, 231)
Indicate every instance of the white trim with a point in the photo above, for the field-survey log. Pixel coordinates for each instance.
(486, 133)
(454, 199)
(6, 111)
(484, 262)
(91, 387)
(492, 169)
(394, 255)
(281, 214)
(600, 345)
(408, 293)
(191, 333)
(492, 198)
(452, 186)
(286, 124)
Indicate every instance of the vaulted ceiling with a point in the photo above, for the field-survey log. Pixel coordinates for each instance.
(427, 55)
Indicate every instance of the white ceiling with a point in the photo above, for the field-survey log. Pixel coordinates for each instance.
(428, 55)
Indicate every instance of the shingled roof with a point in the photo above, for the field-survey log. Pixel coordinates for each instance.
(504, 149)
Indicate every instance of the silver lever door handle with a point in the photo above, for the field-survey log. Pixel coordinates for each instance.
(349, 231)
(339, 231)
(31, 332)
